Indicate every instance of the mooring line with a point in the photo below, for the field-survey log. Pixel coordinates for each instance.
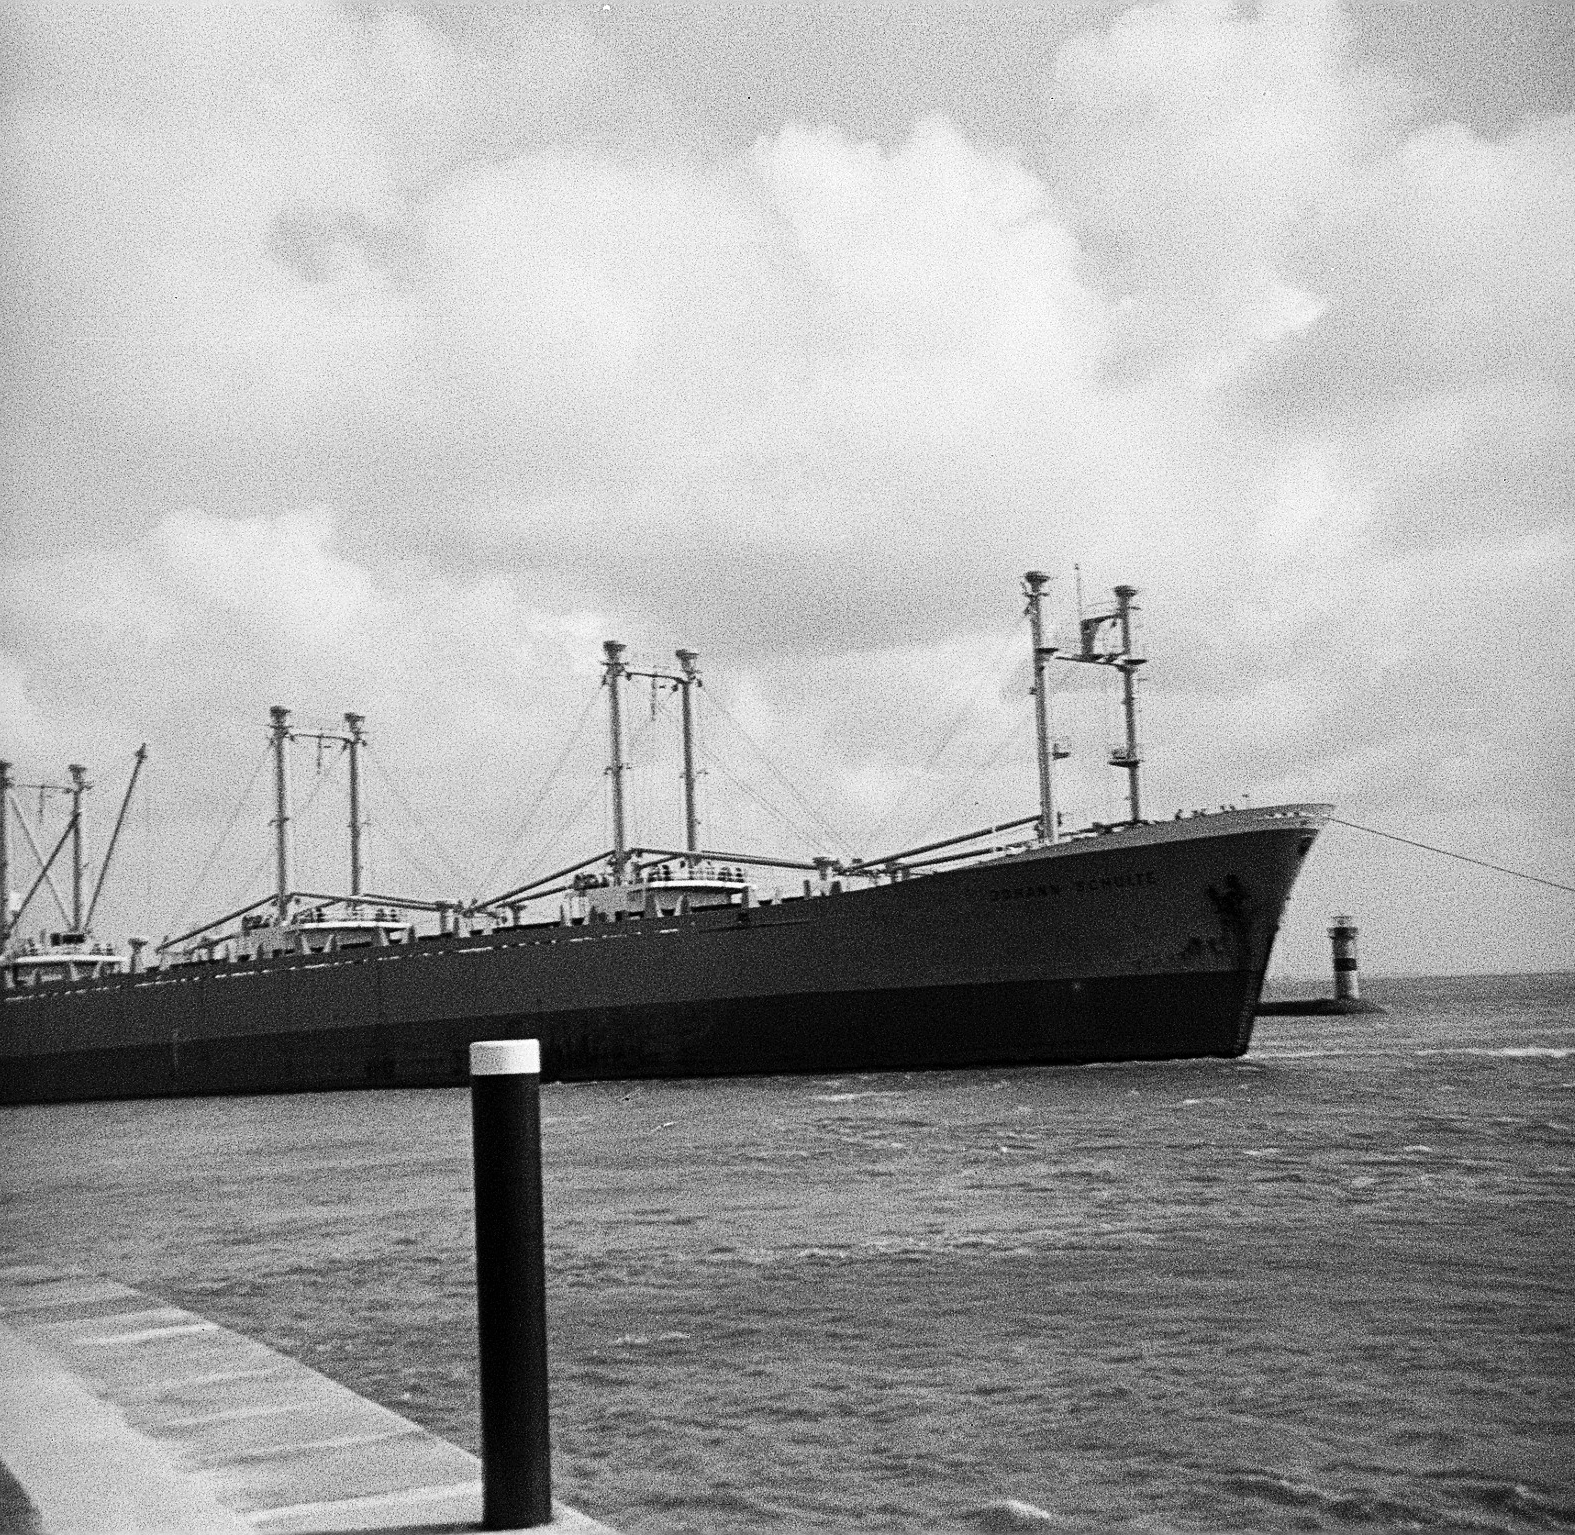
(1481, 863)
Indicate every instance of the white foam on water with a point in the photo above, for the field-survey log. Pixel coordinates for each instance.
(1310, 1055)
(1515, 1052)
(1550, 1052)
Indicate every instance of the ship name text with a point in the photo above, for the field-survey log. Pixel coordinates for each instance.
(1133, 881)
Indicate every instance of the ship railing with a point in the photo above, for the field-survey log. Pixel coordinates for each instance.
(645, 860)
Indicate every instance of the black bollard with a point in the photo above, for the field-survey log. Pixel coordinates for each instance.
(511, 1284)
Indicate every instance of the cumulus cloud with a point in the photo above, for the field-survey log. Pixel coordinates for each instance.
(277, 573)
(365, 367)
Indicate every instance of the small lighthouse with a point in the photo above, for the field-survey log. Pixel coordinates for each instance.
(1347, 977)
(1347, 998)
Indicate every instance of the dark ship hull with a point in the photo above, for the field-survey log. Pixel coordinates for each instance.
(1147, 942)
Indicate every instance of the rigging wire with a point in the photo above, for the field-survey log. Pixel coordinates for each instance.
(573, 817)
(1004, 743)
(386, 778)
(248, 882)
(643, 793)
(603, 786)
(964, 712)
(1481, 863)
(308, 835)
(412, 858)
(838, 839)
(43, 863)
(798, 830)
(633, 825)
(224, 836)
(1016, 722)
(522, 826)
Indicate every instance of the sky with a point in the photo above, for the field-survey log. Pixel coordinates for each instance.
(389, 359)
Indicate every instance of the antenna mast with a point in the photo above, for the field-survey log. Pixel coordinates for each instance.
(614, 672)
(280, 736)
(691, 678)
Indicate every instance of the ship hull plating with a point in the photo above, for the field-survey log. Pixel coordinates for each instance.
(1149, 943)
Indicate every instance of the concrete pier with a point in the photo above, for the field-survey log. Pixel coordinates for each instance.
(119, 1413)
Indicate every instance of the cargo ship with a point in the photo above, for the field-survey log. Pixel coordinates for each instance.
(1125, 941)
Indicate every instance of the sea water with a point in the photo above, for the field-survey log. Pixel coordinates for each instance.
(1326, 1286)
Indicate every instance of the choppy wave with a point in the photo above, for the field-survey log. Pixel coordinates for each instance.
(1325, 1287)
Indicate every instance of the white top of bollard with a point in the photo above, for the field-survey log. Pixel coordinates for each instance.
(505, 1058)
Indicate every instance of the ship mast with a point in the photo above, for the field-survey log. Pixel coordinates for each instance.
(79, 922)
(1127, 755)
(353, 744)
(1034, 583)
(45, 864)
(280, 737)
(79, 786)
(5, 852)
(615, 671)
(613, 674)
(691, 678)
